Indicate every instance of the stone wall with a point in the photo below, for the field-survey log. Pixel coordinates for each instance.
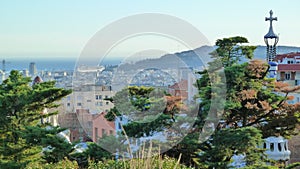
(294, 147)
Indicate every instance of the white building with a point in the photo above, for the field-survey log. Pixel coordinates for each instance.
(90, 97)
(277, 148)
(288, 68)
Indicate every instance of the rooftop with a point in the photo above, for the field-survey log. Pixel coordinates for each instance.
(289, 67)
(287, 55)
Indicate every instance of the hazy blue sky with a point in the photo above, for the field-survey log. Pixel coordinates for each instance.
(48, 28)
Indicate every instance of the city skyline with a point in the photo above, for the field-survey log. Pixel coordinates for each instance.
(41, 29)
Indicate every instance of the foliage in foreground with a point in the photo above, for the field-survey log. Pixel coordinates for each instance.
(63, 164)
(23, 132)
(237, 100)
(155, 162)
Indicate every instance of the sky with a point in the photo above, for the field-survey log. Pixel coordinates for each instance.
(53, 29)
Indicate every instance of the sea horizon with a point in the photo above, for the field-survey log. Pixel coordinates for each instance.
(48, 64)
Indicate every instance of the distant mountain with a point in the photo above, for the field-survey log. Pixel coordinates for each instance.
(195, 58)
(192, 58)
(260, 52)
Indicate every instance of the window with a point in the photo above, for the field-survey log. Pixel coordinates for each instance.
(285, 146)
(79, 104)
(68, 104)
(106, 96)
(107, 103)
(98, 97)
(103, 132)
(272, 146)
(79, 98)
(89, 101)
(96, 133)
(279, 147)
(99, 103)
(287, 76)
(111, 132)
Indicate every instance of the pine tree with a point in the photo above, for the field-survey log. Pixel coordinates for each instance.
(145, 107)
(242, 105)
(22, 134)
(251, 100)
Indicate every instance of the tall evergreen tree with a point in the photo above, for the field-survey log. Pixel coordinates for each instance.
(250, 108)
(22, 135)
(251, 100)
(145, 107)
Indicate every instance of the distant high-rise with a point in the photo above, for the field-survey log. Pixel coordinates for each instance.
(32, 69)
(25, 73)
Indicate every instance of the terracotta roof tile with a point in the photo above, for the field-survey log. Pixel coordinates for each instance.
(287, 55)
(182, 85)
(289, 67)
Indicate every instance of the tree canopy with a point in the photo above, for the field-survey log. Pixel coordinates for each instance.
(22, 133)
(231, 50)
(251, 108)
(251, 100)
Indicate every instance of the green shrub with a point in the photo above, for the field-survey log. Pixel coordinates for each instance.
(148, 163)
(64, 164)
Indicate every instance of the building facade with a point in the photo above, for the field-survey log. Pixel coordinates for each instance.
(85, 126)
(288, 68)
(92, 97)
(288, 71)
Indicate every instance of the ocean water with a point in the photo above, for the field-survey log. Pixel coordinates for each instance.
(48, 64)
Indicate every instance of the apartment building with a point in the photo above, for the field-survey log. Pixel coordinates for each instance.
(92, 97)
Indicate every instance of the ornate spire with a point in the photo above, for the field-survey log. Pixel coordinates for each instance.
(271, 39)
(271, 33)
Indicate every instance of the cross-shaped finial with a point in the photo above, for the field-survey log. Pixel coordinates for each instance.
(271, 19)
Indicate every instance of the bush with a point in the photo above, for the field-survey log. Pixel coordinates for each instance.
(148, 163)
(63, 164)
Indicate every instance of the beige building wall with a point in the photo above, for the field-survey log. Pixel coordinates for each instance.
(90, 97)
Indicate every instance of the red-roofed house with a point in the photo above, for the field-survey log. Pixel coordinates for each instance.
(289, 58)
(289, 68)
(85, 126)
(179, 89)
